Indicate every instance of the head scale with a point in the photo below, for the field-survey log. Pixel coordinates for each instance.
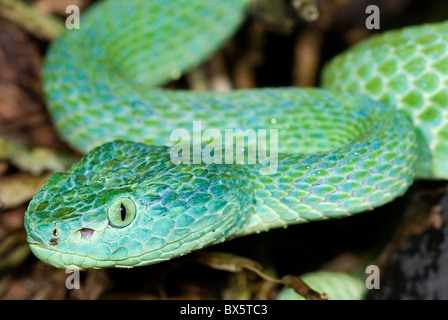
(126, 204)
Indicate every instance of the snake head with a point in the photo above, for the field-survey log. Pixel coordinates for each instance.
(126, 204)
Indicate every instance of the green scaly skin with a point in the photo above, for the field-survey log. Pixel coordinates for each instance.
(408, 69)
(339, 154)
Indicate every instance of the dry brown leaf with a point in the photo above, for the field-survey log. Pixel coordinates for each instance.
(19, 188)
(59, 6)
(22, 109)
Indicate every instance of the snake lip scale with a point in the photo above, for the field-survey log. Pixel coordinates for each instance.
(378, 122)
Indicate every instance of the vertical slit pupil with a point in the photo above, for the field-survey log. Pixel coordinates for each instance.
(122, 212)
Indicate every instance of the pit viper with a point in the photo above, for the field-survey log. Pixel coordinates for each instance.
(378, 121)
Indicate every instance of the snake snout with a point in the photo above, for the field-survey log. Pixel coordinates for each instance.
(33, 238)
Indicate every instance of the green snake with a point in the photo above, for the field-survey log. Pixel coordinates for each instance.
(379, 121)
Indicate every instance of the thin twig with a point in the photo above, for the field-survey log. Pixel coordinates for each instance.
(39, 24)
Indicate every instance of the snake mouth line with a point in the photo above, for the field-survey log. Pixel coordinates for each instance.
(37, 244)
(61, 259)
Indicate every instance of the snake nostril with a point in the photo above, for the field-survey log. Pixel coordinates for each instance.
(54, 241)
(86, 233)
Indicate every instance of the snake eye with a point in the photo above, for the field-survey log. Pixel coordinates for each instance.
(121, 213)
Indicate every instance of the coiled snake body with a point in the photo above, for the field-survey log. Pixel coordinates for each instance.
(340, 152)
